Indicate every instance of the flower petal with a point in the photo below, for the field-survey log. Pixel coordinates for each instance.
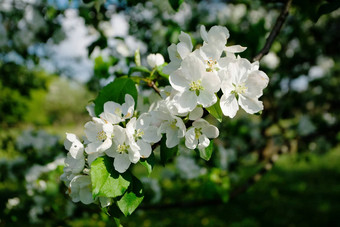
(121, 162)
(145, 149)
(206, 98)
(186, 101)
(229, 105)
(178, 81)
(250, 105)
(190, 139)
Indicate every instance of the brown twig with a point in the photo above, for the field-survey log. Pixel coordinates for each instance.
(275, 31)
(153, 85)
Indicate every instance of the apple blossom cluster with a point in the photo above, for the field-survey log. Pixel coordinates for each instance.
(195, 77)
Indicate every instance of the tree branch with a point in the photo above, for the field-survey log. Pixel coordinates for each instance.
(275, 31)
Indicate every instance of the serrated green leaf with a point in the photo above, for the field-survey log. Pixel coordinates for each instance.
(132, 198)
(167, 153)
(106, 181)
(148, 162)
(175, 4)
(207, 152)
(216, 111)
(115, 91)
(142, 69)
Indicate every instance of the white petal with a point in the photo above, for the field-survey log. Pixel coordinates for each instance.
(255, 83)
(193, 68)
(227, 82)
(145, 149)
(171, 138)
(128, 106)
(105, 145)
(134, 156)
(204, 34)
(85, 195)
(121, 162)
(206, 98)
(186, 101)
(211, 82)
(210, 131)
(250, 105)
(229, 105)
(93, 147)
(112, 151)
(190, 139)
(178, 81)
(203, 142)
(151, 135)
(196, 113)
(235, 49)
(185, 46)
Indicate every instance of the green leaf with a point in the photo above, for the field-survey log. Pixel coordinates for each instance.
(216, 111)
(175, 4)
(132, 198)
(142, 69)
(115, 91)
(167, 153)
(106, 181)
(160, 71)
(207, 152)
(148, 162)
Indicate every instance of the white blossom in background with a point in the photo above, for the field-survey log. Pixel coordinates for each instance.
(242, 85)
(155, 60)
(194, 85)
(198, 135)
(99, 133)
(178, 52)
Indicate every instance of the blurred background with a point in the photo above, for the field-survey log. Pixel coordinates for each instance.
(280, 168)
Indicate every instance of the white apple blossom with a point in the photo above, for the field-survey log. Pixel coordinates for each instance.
(178, 52)
(155, 60)
(123, 150)
(141, 133)
(80, 189)
(194, 85)
(242, 85)
(99, 134)
(213, 46)
(198, 134)
(115, 113)
(170, 124)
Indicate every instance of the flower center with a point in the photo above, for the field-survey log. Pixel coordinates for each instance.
(118, 111)
(239, 89)
(211, 65)
(196, 86)
(138, 134)
(101, 136)
(198, 133)
(173, 124)
(122, 148)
